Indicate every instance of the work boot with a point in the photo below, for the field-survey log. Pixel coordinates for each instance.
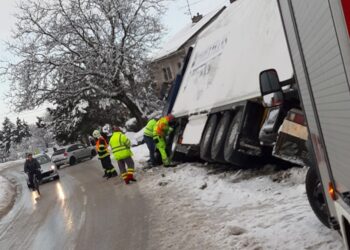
(127, 181)
(131, 177)
(114, 174)
(166, 162)
(109, 175)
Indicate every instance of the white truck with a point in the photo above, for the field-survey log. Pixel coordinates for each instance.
(250, 78)
(318, 34)
(217, 101)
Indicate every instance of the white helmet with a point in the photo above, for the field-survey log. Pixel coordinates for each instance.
(96, 134)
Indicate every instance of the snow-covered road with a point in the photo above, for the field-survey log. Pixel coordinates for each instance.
(191, 206)
(213, 207)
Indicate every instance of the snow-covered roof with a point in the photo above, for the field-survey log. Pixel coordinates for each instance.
(181, 37)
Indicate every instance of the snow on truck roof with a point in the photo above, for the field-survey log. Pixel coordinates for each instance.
(185, 34)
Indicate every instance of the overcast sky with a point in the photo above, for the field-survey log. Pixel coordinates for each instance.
(175, 18)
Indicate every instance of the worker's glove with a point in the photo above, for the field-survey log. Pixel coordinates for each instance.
(170, 130)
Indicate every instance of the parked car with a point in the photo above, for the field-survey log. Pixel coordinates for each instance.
(71, 154)
(48, 169)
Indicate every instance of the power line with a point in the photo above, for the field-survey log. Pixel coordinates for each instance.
(189, 8)
(189, 5)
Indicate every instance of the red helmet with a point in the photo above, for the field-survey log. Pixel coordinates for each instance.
(116, 129)
(170, 117)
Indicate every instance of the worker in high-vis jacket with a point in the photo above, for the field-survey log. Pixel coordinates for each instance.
(120, 145)
(104, 155)
(148, 138)
(160, 131)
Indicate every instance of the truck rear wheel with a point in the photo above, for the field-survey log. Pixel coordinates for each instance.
(217, 147)
(230, 154)
(315, 195)
(205, 145)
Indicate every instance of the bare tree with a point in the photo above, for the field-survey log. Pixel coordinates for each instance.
(69, 49)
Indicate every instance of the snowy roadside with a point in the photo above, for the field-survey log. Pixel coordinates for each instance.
(7, 189)
(7, 196)
(8, 164)
(207, 207)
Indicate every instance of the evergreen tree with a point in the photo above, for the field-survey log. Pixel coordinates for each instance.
(21, 131)
(73, 120)
(8, 130)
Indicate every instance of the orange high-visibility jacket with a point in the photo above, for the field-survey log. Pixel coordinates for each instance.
(102, 147)
(162, 127)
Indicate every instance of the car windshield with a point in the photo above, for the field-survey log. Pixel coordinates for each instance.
(43, 159)
(59, 152)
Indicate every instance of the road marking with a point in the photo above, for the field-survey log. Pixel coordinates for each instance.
(85, 200)
(82, 189)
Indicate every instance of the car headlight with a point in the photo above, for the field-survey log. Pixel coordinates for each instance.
(53, 167)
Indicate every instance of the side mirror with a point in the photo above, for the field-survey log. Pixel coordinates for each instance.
(270, 88)
(269, 82)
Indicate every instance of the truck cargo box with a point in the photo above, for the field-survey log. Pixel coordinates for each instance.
(246, 39)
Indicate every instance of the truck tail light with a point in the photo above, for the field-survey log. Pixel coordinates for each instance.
(331, 191)
(65, 154)
(346, 10)
(276, 102)
(297, 118)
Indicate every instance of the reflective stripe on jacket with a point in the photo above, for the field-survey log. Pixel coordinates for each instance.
(102, 148)
(161, 128)
(120, 145)
(149, 128)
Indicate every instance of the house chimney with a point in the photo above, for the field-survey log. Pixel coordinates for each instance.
(197, 18)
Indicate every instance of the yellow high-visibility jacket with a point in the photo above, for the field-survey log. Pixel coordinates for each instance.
(149, 128)
(120, 145)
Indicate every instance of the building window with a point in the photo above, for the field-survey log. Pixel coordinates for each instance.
(167, 74)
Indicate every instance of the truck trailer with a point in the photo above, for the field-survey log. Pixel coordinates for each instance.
(220, 112)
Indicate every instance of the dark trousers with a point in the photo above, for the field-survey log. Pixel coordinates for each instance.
(106, 163)
(108, 166)
(31, 176)
(151, 147)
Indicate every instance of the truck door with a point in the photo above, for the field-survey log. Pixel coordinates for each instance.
(319, 46)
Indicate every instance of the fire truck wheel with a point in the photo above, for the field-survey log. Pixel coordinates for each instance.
(315, 195)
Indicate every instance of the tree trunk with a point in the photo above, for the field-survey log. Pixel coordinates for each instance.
(134, 110)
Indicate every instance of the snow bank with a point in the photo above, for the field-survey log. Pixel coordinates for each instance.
(135, 138)
(10, 164)
(214, 207)
(7, 194)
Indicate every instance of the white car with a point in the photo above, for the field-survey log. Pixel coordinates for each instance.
(72, 154)
(48, 169)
